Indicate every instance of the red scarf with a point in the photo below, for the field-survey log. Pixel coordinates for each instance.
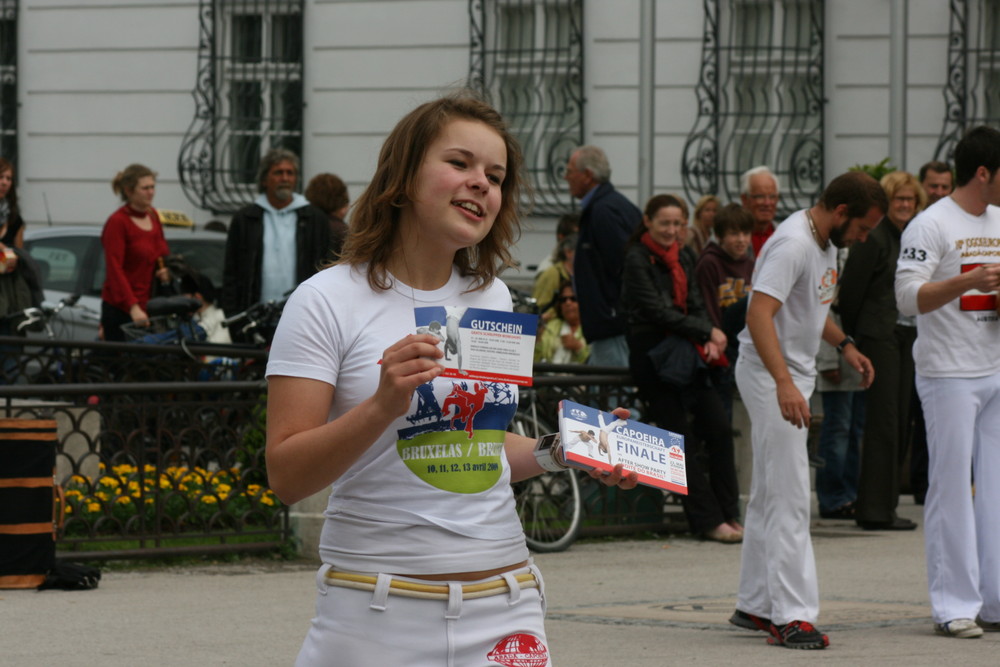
(670, 257)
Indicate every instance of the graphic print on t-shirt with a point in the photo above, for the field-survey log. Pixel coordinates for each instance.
(974, 300)
(458, 433)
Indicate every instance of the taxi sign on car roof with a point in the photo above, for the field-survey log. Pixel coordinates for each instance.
(174, 218)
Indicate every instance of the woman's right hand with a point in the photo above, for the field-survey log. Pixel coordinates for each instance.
(138, 315)
(406, 365)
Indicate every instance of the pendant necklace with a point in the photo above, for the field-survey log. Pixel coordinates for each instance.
(812, 227)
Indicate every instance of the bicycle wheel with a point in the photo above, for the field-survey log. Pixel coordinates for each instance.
(549, 505)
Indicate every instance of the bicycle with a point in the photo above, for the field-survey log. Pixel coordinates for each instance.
(550, 505)
(37, 367)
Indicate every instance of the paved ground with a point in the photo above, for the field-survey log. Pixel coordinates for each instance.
(630, 603)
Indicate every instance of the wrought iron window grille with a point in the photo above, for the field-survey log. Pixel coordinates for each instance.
(8, 81)
(248, 98)
(972, 92)
(527, 58)
(760, 100)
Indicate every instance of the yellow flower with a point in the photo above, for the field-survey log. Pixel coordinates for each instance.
(209, 500)
(150, 501)
(74, 494)
(103, 495)
(123, 500)
(69, 509)
(223, 488)
(267, 500)
(93, 507)
(253, 489)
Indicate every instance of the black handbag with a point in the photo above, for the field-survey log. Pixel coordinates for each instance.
(676, 361)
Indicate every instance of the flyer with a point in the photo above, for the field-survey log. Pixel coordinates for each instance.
(592, 439)
(480, 344)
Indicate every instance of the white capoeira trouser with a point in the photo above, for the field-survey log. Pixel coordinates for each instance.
(393, 621)
(962, 535)
(777, 566)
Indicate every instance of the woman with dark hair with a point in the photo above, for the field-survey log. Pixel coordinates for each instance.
(328, 193)
(133, 243)
(661, 298)
(424, 557)
(11, 224)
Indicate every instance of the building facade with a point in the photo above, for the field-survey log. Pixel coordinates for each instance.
(198, 89)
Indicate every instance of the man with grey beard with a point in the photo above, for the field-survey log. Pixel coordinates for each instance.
(276, 242)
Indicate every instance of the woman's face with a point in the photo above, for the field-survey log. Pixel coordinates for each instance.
(902, 206)
(457, 188)
(666, 226)
(707, 217)
(569, 309)
(141, 196)
(6, 181)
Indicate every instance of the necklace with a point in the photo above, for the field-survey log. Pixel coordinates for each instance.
(812, 227)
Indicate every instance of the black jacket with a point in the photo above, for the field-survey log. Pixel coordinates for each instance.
(245, 253)
(866, 299)
(648, 301)
(605, 225)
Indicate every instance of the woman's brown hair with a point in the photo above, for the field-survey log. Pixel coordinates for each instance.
(376, 212)
(5, 165)
(126, 180)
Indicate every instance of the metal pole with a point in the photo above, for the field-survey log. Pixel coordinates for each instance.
(897, 83)
(647, 51)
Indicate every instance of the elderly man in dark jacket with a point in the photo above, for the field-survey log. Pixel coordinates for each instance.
(276, 242)
(606, 222)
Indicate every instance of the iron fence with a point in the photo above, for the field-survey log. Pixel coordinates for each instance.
(153, 467)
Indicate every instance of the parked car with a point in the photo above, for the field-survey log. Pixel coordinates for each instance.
(71, 261)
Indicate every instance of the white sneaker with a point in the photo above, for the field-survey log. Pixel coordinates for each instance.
(963, 628)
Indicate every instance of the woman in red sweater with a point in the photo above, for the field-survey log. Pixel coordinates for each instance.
(133, 241)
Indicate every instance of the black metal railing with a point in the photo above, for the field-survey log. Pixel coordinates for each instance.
(154, 468)
(158, 468)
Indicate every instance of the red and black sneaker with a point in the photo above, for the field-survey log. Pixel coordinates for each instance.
(797, 634)
(742, 619)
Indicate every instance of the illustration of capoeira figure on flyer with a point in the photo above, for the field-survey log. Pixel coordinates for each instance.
(601, 438)
(452, 340)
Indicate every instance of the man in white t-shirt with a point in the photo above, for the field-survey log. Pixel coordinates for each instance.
(794, 282)
(948, 276)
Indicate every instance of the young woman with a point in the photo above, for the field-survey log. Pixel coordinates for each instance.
(661, 297)
(133, 242)
(424, 558)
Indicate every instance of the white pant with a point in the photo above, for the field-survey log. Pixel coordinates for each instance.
(777, 566)
(356, 628)
(962, 536)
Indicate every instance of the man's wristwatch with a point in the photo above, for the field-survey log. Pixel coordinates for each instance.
(545, 449)
(844, 343)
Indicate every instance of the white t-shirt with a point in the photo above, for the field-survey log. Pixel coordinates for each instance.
(793, 269)
(429, 496)
(962, 337)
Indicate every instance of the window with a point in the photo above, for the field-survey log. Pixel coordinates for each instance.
(248, 99)
(527, 56)
(972, 92)
(760, 100)
(8, 80)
